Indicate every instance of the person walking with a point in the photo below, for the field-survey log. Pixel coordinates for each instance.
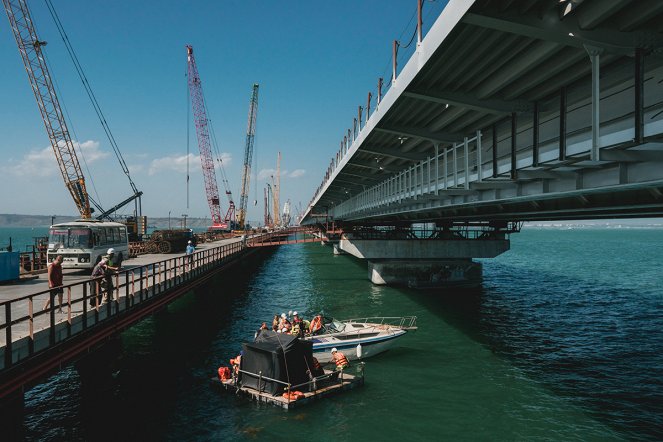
(190, 248)
(55, 282)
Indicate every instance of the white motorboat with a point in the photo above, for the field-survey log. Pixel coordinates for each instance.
(359, 338)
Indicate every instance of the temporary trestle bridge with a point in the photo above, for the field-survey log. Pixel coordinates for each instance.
(36, 342)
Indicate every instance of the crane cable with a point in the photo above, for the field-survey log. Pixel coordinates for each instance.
(70, 124)
(90, 93)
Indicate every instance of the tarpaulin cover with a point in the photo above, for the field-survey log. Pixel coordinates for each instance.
(278, 356)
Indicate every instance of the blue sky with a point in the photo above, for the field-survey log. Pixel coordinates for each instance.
(315, 62)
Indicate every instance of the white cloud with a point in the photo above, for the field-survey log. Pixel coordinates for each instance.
(264, 174)
(297, 173)
(43, 162)
(174, 163)
(226, 159)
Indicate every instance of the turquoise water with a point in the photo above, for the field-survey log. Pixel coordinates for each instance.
(21, 237)
(564, 342)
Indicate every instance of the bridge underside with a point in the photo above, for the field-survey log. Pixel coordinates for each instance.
(512, 110)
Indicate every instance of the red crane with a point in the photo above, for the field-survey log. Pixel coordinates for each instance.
(204, 144)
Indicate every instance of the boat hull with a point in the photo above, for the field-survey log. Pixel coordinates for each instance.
(369, 346)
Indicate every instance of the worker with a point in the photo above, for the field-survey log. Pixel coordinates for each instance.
(236, 362)
(306, 326)
(113, 264)
(284, 325)
(97, 287)
(190, 248)
(316, 324)
(55, 282)
(275, 323)
(263, 327)
(339, 359)
(297, 326)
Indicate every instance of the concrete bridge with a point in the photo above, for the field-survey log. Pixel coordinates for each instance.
(507, 111)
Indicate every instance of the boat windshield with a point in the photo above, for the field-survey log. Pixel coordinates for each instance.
(69, 238)
(334, 326)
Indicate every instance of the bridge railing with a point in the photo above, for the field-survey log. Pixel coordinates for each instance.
(27, 330)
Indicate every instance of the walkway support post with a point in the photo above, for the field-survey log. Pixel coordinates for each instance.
(639, 114)
(594, 56)
(437, 168)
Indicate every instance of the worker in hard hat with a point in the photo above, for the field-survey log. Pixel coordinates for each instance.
(113, 264)
(190, 248)
(339, 359)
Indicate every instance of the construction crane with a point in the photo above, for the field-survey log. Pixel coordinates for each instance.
(30, 48)
(248, 158)
(202, 131)
(276, 190)
(34, 60)
(268, 216)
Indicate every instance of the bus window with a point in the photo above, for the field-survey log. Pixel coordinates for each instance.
(123, 235)
(79, 238)
(102, 237)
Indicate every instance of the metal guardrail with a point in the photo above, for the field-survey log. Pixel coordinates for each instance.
(403, 322)
(130, 287)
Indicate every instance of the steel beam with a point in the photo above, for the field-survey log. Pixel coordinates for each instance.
(565, 32)
(393, 153)
(472, 102)
(415, 132)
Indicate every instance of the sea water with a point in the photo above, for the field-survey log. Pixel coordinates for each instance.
(563, 342)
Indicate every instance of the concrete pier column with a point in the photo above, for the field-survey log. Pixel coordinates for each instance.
(337, 250)
(426, 273)
(426, 263)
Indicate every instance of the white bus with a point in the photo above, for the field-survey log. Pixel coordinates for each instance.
(82, 243)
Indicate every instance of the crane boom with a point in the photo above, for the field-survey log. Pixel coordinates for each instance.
(34, 61)
(248, 157)
(202, 131)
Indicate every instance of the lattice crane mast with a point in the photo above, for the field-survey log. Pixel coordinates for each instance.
(202, 131)
(30, 48)
(248, 157)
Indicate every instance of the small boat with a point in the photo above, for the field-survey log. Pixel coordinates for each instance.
(359, 338)
(278, 369)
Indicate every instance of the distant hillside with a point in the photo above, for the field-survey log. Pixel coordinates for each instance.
(15, 220)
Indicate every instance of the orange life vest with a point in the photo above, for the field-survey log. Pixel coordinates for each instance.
(340, 359)
(316, 324)
(224, 373)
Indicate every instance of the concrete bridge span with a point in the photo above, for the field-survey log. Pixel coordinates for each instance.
(511, 111)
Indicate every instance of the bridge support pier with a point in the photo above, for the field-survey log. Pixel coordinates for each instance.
(337, 250)
(426, 263)
(426, 273)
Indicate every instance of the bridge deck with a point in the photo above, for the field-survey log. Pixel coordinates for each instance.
(512, 111)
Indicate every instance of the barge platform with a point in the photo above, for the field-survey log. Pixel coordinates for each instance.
(331, 383)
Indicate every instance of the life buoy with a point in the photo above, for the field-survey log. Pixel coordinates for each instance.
(299, 394)
(291, 396)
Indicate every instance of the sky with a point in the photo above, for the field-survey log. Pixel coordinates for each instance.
(315, 62)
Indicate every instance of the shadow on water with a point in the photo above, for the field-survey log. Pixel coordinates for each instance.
(140, 376)
(595, 350)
